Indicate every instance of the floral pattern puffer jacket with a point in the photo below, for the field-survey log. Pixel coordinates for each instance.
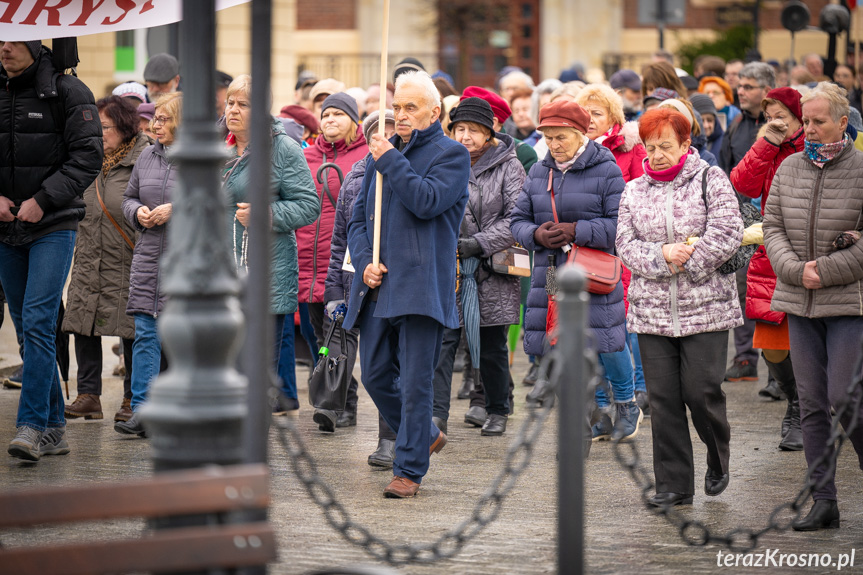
(653, 213)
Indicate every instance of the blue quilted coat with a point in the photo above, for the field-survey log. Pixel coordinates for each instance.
(587, 193)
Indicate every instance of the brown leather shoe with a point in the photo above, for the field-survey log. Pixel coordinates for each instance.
(86, 405)
(438, 443)
(125, 411)
(401, 487)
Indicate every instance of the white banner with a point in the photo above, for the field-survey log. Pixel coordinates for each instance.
(24, 20)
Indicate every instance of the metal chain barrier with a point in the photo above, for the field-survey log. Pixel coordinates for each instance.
(743, 539)
(518, 457)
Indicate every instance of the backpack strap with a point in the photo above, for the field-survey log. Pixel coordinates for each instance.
(58, 109)
(704, 186)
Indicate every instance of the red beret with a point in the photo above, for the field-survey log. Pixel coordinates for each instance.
(565, 114)
(788, 97)
(498, 105)
(302, 117)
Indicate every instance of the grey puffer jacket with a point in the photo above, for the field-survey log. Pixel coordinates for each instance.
(151, 184)
(495, 183)
(810, 206)
(698, 299)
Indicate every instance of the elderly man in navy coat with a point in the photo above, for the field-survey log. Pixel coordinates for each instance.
(403, 305)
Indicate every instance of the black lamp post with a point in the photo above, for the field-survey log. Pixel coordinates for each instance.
(196, 408)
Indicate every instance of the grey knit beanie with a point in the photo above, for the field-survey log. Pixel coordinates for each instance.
(343, 102)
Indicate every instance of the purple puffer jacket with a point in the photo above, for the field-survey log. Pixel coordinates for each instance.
(653, 213)
(151, 184)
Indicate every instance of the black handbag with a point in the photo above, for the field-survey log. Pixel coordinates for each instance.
(750, 215)
(328, 387)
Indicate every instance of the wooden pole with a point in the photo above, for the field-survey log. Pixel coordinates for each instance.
(857, 37)
(382, 124)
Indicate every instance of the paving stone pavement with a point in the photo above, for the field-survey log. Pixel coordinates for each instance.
(621, 537)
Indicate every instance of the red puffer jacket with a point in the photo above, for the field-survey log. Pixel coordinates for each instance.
(629, 153)
(313, 241)
(752, 177)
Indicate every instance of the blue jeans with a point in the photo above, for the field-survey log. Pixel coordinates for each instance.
(618, 372)
(33, 276)
(146, 357)
(308, 330)
(632, 340)
(283, 359)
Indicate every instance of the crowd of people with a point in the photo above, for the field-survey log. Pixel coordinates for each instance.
(671, 172)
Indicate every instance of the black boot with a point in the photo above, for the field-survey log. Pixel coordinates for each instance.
(792, 436)
(823, 515)
(771, 391)
(466, 383)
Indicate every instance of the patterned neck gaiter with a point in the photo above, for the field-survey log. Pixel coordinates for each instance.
(820, 154)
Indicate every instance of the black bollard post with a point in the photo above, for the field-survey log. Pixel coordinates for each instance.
(195, 410)
(572, 303)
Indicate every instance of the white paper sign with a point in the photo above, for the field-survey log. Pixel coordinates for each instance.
(25, 20)
(347, 265)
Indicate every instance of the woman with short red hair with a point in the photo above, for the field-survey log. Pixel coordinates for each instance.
(680, 306)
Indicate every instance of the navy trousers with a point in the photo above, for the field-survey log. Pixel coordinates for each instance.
(398, 358)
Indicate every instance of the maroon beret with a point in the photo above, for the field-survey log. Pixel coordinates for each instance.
(788, 97)
(498, 105)
(301, 116)
(564, 114)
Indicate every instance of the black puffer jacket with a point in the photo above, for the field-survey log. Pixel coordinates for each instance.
(46, 158)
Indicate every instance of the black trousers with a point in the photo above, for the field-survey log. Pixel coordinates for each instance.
(679, 373)
(493, 368)
(88, 353)
(743, 334)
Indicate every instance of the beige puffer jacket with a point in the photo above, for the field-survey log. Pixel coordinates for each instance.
(807, 208)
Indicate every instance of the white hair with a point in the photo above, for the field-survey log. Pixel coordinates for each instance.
(544, 87)
(835, 96)
(420, 79)
(526, 80)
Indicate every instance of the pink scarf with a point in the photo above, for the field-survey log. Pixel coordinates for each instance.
(668, 174)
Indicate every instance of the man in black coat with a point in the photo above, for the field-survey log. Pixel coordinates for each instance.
(756, 79)
(50, 152)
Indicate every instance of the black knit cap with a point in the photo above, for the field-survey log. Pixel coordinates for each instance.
(474, 110)
(35, 47)
(407, 65)
(343, 102)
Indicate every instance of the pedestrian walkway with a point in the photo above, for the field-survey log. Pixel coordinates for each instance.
(622, 537)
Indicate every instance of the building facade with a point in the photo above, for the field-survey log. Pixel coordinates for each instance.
(469, 39)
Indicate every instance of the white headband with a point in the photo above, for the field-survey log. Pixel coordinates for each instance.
(680, 107)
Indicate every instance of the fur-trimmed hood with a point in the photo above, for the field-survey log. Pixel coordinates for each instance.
(631, 137)
(623, 138)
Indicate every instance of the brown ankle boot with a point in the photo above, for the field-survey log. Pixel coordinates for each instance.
(86, 405)
(125, 411)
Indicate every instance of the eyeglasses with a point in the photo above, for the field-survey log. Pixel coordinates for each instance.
(161, 120)
(748, 87)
